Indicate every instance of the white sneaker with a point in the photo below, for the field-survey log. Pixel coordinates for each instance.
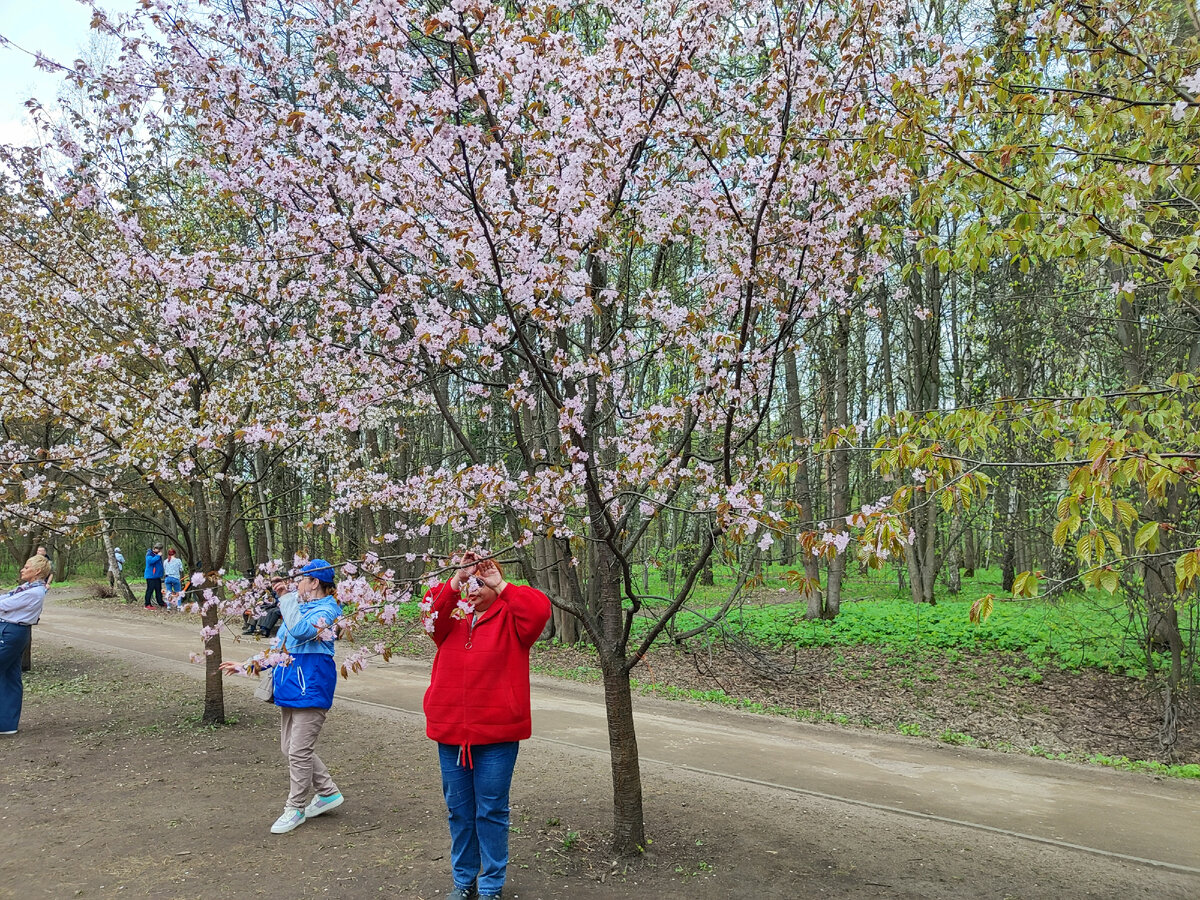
(323, 805)
(289, 821)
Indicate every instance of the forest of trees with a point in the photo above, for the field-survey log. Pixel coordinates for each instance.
(610, 286)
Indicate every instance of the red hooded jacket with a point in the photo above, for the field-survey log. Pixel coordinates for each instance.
(479, 689)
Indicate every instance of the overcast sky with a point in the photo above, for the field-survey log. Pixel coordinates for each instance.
(57, 28)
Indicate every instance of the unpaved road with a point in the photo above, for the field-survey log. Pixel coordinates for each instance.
(1122, 816)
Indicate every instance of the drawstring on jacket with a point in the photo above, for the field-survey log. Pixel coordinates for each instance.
(467, 749)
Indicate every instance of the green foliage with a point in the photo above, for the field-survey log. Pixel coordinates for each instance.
(957, 738)
(1190, 770)
(1092, 630)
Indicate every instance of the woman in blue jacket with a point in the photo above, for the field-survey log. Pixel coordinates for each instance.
(304, 691)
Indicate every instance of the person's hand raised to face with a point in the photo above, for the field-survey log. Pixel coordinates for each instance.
(466, 568)
(489, 573)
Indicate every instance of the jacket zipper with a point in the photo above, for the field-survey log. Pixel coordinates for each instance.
(475, 620)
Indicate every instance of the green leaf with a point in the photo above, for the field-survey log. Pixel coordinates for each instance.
(1147, 537)
(981, 609)
(1025, 585)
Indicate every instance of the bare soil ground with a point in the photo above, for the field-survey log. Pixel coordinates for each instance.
(112, 789)
(979, 701)
(995, 701)
(988, 701)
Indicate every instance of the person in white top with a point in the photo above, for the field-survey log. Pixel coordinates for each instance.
(20, 610)
(172, 575)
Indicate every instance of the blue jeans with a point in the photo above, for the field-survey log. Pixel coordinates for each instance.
(13, 640)
(476, 791)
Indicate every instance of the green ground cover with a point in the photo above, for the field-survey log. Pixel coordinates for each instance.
(1071, 634)
(1091, 629)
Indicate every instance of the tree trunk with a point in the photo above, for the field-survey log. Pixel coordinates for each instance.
(1162, 617)
(803, 486)
(924, 394)
(566, 625)
(953, 576)
(1158, 572)
(1004, 516)
(628, 823)
(288, 514)
(241, 539)
(210, 559)
(267, 531)
(629, 831)
(61, 556)
(839, 494)
(115, 574)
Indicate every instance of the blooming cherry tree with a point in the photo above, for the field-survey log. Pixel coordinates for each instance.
(586, 237)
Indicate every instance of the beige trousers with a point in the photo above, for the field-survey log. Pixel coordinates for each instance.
(298, 733)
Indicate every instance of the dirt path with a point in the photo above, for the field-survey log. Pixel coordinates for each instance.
(737, 805)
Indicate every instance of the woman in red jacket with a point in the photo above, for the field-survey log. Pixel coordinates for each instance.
(477, 709)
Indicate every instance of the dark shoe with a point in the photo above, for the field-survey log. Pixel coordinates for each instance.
(496, 896)
(460, 894)
(247, 631)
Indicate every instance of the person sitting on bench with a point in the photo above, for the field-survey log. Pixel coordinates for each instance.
(268, 613)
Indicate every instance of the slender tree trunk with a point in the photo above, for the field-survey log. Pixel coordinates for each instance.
(706, 572)
(566, 625)
(803, 487)
(267, 531)
(288, 511)
(1008, 543)
(629, 835)
(62, 556)
(116, 575)
(210, 560)
(924, 393)
(1158, 573)
(1162, 617)
(839, 496)
(241, 539)
(969, 551)
(953, 575)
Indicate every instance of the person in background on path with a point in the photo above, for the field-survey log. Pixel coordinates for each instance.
(304, 691)
(172, 573)
(477, 709)
(119, 558)
(20, 610)
(154, 576)
(268, 613)
(41, 551)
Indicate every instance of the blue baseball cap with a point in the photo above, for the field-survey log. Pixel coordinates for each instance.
(320, 570)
